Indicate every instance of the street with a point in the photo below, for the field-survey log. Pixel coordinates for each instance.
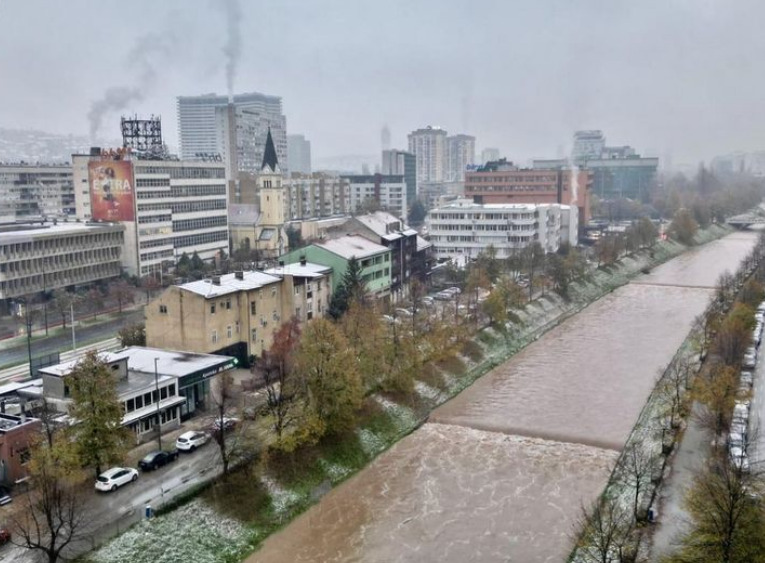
(112, 513)
(17, 352)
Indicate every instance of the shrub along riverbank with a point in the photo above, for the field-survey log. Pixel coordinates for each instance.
(260, 497)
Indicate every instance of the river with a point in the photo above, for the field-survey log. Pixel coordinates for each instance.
(501, 471)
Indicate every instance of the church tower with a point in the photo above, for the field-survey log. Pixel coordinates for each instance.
(272, 236)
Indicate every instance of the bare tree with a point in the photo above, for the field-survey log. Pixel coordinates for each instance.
(53, 516)
(605, 532)
(224, 399)
(637, 467)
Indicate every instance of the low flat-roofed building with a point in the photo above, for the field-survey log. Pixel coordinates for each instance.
(148, 381)
(16, 435)
(35, 258)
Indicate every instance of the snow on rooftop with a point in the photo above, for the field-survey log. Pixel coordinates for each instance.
(352, 246)
(141, 359)
(309, 270)
(230, 284)
(26, 233)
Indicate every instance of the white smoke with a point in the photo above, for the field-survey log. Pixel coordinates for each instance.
(233, 47)
(574, 183)
(143, 58)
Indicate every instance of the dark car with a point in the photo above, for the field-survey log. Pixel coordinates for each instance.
(5, 535)
(157, 459)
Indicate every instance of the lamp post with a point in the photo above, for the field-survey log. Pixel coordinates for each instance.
(28, 320)
(159, 420)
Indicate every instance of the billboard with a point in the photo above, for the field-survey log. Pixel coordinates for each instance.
(112, 197)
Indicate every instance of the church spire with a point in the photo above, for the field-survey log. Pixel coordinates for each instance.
(269, 155)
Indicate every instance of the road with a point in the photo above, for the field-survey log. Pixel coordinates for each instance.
(113, 513)
(17, 353)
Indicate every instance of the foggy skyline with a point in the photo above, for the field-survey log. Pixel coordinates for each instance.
(677, 76)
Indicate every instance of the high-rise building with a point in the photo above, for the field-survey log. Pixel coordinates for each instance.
(429, 147)
(587, 145)
(204, 128)
(168, 207)
(388, 191)
(460, 152)
(299, 154)
(385, 138)
(317, 196)
(402, 163)
(35, 191)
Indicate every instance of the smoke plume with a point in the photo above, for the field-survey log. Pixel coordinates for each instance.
(233, 47)
(143, 57)
(574, 183)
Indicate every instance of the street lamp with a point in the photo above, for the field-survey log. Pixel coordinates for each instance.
(159, 420)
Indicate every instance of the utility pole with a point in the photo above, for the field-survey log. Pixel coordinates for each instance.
(71, 314)
(159, 420)
(28, 319)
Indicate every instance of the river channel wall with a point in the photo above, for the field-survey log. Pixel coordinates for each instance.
(289, 497)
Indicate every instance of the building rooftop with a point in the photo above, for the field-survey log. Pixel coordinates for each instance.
(141, 359)
(25, 233)
(352, 246)
(422, 244)
(229, 283)
(9, 422)
(243, 214)
(307, 270)
(380, 222)
(469, 204)
(139, 380)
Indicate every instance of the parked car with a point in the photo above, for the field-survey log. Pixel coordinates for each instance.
(737, 440)
(190, 441)
(750, 361)
(5, 496)
(738, 426)
(5, 535)
(403, 312)
(443, 296)
(229, 423)
(157, 459)
(454, 290)
(428, 301)
(114, 478)
(746, 379)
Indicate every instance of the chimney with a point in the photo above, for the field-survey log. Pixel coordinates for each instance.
(302, 261)
(239, 274)
(216, 280)
(281, 263)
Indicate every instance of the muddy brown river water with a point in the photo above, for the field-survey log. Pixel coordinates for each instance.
(499, 473)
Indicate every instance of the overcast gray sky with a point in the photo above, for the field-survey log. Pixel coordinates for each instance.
(662, 75)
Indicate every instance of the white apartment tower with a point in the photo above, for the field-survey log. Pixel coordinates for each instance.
(429, 147)
(203, 128)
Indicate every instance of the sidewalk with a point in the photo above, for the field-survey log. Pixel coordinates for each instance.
(689, 459)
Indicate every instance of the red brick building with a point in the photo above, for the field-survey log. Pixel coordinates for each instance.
(502, 182)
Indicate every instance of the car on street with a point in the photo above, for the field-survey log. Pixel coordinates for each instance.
(157, 459)
(229, 423)
(5, 535)
(190, 441)
(746, 379)
(750, 360)
(443, 296)
(112, 479)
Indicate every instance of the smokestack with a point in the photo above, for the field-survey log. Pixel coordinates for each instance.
(302, 261)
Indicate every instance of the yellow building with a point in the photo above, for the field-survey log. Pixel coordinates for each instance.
(237, 314)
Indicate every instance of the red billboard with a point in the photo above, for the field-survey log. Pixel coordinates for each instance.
(112, 197)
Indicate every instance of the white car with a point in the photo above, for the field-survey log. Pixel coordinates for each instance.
(750, 360)
(115, 477)
(746, 379)
(190, 441)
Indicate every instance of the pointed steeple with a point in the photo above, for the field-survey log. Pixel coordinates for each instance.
(269, 155)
